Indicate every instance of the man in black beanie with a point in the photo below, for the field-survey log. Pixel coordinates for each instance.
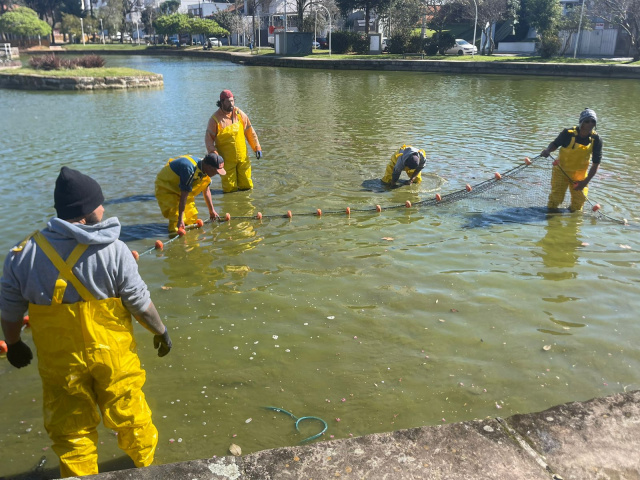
(80, 285)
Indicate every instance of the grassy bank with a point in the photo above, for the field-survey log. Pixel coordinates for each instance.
(80, 72)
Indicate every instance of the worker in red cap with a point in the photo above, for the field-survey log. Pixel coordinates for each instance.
(228, 130)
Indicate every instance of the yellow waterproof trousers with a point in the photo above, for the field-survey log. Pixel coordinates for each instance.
(388, 174)
(168, 194)
(87, 360)
(573, 160)
(232, 146)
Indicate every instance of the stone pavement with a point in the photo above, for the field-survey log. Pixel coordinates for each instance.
(597, 439)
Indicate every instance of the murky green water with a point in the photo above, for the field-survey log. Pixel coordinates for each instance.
(323, 316)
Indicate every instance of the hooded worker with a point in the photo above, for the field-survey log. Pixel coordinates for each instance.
(178, 183)
(408, 159)
(228, 130)
(578, 146)
(81, 285)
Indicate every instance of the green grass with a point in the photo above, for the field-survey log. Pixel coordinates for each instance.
(324, 54)
(99, 46)
(79, 72)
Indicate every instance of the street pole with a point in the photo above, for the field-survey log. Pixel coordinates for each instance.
(284, 48)
(328, 15)
(575, 50)
(475, 27)
(102, 30)
(82, 28)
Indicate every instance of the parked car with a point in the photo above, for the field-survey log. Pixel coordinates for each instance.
(315, 45)
(385, 47)
(215, 42)
(324, 43)
(462, 47)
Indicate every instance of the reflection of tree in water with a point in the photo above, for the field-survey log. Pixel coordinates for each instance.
(559, 246)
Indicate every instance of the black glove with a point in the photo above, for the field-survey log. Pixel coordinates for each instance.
(164, 342)
(19, 354)
(258, 154)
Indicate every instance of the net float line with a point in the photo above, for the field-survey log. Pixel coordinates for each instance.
(467, 192)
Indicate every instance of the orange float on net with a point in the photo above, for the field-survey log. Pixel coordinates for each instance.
(555, 162)
(289, 214)
(348, 211)
(259, 216)
(378, 208)
(527, 160)
(159, 245)
(181, 232)
(25, 321)
(319, 212)
(468, 187)
(227, 217)
(438, 197)
(199, 223)
(3, 346)
(596, 207)
(407, 204)
(135, 254)
(498, 176)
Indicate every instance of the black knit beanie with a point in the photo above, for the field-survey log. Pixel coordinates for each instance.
(76, 195)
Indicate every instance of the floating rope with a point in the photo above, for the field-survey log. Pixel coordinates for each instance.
(500, 180)
(301, 419)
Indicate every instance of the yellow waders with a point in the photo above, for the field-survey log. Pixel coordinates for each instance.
(87, 358)
(168, 194)
(574, 160)
(388, 174)
(231, 144)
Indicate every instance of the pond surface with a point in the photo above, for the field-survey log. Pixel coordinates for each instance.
(373, 322)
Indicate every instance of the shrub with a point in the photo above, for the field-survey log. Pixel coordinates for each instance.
(549, 45)
(416, 44)
(398, 42)
(91, 61)
(349, 42)
(51, 62)
(46, 62)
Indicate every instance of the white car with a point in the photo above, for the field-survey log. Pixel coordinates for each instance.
(215, 42)
(315, 45)
(462, 47)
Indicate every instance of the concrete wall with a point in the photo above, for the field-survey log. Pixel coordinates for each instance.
(43, 82)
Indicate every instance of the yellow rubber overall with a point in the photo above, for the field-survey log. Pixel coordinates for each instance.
(388, 174)
(574, 160)
(168, 194)
(231, 144)
(87, 359)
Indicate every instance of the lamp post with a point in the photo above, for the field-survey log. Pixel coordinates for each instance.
(82, 28)
(102, 30)
(575, 50)
(328, 15)
(475, 27)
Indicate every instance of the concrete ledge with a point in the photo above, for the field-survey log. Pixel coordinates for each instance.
(597, 439)
(44, 82)
(430, 66)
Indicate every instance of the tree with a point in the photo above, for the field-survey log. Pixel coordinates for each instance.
(171, 24)
(626, 15)
(570, 24)
(489, 13)
(367, 5)
(544, 16)
(225, 19)
(206, 27)
(111, 16)
(24, 22)
(404, 16)
(169, 7)
(71, 25)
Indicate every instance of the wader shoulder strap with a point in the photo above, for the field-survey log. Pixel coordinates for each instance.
(65, 267)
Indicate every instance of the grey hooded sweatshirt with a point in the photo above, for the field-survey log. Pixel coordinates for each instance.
(107, 269)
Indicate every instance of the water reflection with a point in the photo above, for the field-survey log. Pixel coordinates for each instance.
(559, 246)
